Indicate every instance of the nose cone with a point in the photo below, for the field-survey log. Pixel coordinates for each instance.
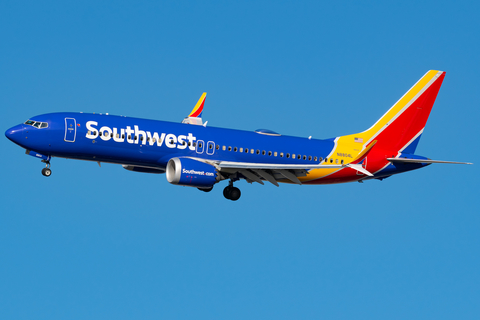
(15, 133)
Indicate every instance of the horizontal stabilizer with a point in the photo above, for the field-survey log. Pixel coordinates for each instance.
(424, 161)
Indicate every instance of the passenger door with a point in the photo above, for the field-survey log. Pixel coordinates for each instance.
(70, 129)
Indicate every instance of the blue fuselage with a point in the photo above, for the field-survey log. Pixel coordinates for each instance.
(142, 142)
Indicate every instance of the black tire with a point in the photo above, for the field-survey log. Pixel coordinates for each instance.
(46, 172)
(226, 192)
(235, 194)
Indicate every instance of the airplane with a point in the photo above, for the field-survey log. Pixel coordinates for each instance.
(194, 155)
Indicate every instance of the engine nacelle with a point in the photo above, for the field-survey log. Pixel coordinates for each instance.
(191, 173)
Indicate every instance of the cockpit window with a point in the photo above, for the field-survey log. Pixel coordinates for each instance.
(36, 124)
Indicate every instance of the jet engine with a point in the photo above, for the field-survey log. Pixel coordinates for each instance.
(191, 173)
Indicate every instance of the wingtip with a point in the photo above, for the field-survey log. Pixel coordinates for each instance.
(198, 109)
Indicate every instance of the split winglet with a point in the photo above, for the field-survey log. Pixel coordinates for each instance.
(195, 117)
(355, 164)
(364, 153)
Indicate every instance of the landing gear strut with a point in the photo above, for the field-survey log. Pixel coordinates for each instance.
(46, 171)
(231, 192)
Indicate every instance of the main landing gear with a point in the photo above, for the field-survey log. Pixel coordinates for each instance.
(231, 192)
(46, 171)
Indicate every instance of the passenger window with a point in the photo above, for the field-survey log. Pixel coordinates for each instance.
(336, 161)
(88, 132)
(235, 149)
(281, 154)
(258, 151)
(218, 147)
(309, 158)
(123, 137)
(153, 139)
(229, 148)
(320, 159)
(100, 133)
(275, 154)
(342, 161)
(269, 153)
(224, 148)
(288, 155)
(304, 157)
(118, 136)
(111, 136)
(331, 160)
(241, 150)
(263, 152)
(210, 147)
(199, 145)
(315, 159)
(252, 151)
(326, 159)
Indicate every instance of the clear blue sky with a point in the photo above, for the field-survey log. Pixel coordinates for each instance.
(106, 243)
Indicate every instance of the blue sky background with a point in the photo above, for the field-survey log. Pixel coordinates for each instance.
(107, 243)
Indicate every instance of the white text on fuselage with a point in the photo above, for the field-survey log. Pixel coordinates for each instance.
(135, 135)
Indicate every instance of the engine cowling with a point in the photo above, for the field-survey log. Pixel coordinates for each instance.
(191, 173)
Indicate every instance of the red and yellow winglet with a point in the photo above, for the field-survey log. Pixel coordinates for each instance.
(364, 153)
(198, 109)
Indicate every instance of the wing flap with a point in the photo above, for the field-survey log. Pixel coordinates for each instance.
(265, 175)
(250, 175)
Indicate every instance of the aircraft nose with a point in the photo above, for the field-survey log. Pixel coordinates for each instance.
(15, 133)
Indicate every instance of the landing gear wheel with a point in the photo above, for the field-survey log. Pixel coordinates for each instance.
(226, 192)
(206, 189)
(232, 193)
(235, 194)
(46, 172)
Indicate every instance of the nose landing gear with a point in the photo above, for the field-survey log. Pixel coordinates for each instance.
(46, 171)
(231, 192)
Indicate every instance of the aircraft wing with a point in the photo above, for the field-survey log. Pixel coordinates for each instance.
(274, 166)
(272, 172)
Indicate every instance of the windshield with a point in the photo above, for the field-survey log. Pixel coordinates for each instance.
(36, 124)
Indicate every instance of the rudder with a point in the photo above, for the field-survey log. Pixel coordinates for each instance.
(400, 128)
